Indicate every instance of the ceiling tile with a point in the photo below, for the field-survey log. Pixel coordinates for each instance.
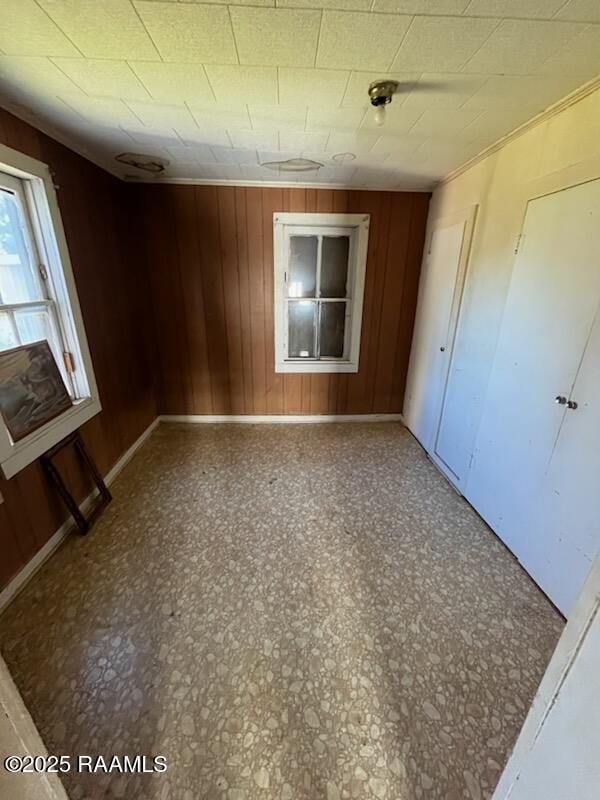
(174, 83)
(360, 41)
(255, 140)
(199, 153)
(215, 137)
(444, 90)
(187, 32)
(492, 125)
(358, 142)
(34, 74)
(264, 156)
(357, 89)
(219, 116)
(289, 140)
(419, 7)
(315, 87)
(235, 85)
(442, 44)
(444, 123)
(100, 110)
(30, 32)
(341, 119)
(103, 78)
(580, 11)
(532, 93)
(158, 116)
(278, 117)
(527, 9)
(580, 56)
(281, 37)
(152, 139)
(102, 28)
(230, 155)
(346, 5)
(393, 146)
(517, 47)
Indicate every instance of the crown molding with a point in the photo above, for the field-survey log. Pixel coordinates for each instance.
(272, 184)
(561, 105)
(49, 130)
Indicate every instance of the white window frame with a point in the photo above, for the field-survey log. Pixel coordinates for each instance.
(51, 246)
(288, 224)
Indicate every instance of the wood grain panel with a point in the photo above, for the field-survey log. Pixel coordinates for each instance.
(100, 226)
(230, 332)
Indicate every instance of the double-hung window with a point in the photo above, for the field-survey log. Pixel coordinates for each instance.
(38, 300)
(320, 262)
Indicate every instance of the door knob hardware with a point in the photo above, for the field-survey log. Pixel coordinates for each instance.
(442, 349)
(572, 404)
(560, 399)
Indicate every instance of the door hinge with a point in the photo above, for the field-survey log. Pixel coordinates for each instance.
(43, 272)
(68, 359)
(518, 242)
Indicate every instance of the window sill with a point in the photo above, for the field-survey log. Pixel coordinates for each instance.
(316, 366)
(24, 452)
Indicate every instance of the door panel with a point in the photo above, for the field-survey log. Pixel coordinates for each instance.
(440, 293)
(563, 542)
(550, 310)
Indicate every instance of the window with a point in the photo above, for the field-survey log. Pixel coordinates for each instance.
(38, 300)
(320, 264)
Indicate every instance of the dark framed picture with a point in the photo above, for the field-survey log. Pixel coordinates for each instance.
(32, 391)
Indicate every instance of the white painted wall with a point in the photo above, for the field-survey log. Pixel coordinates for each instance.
(556, 754)
(560, 151)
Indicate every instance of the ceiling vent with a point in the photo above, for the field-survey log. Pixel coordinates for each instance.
(293, 165)
(146, 163)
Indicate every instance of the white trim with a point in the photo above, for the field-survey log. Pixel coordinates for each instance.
(356, 226)
(30, 118)
(47, 224)
(574, 97)
(346, 187)
(254, 419)
(21, 578)
(20, 736)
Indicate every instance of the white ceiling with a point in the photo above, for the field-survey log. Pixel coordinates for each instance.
(219, 88)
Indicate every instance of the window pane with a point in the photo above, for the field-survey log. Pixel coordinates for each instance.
(35, 324)
(303, 266)
(332, 324)
(334, 266)
(301, 328)
(17, 282)
(7, 334)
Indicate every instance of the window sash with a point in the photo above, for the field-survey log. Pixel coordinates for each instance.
(320, 232)
(16, 187)
(57, 345)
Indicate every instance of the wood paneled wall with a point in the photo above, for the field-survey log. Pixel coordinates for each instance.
(99, 224)
(209, 257)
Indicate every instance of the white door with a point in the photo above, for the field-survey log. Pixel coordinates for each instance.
(550, 310)
(556, 754)
(440, 292)
(561, 543)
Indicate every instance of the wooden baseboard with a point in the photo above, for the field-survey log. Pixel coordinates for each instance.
(254, 419)
(32, 566)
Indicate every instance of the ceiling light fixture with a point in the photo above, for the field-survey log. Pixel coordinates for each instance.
(381, 93)
(143, 162)
(293, 165)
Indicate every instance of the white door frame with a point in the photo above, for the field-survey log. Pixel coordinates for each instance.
(468, 216)
(586, 613)
(20, 737)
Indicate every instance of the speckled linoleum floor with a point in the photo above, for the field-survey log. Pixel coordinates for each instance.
(283, 612)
